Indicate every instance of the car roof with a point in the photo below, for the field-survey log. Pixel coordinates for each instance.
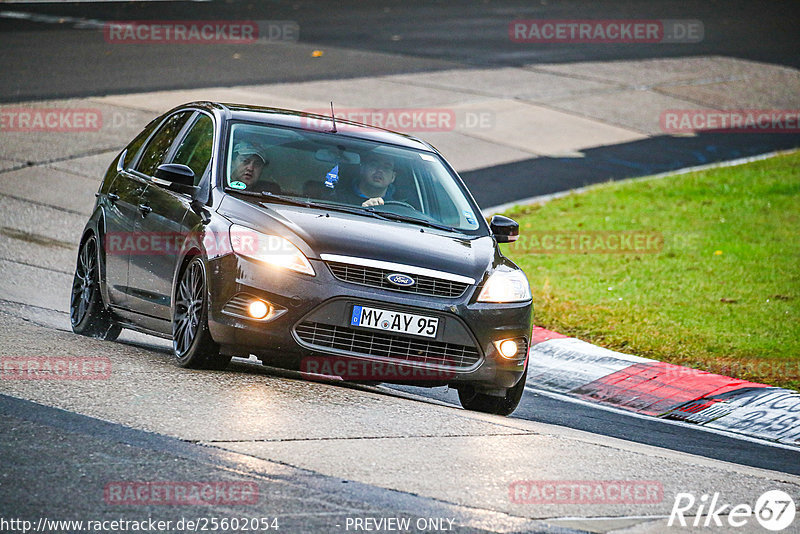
(300, 119)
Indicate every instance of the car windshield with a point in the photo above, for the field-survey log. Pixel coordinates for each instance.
(354, 174)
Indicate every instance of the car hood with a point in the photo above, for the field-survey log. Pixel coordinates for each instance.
(344, 234)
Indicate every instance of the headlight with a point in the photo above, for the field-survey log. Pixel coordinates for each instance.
(506, 286)
(271, 249)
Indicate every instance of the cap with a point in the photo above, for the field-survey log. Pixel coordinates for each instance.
(246, 149)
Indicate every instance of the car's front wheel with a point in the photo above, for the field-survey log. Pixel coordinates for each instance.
(87, 313)
(191, 340)
(480, 402)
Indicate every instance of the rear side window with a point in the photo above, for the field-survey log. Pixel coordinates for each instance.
(195, 149)
(158, 147)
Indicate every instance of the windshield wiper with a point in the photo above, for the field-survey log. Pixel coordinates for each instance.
(287, 200)
(241, 192)
(273, 197)
(369, 212)
(266, 195)
(415, 220)
(385, 215)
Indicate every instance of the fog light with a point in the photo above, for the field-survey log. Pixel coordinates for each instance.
(258, 309)
(508, 348)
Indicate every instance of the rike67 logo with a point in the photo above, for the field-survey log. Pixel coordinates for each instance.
(774, 510)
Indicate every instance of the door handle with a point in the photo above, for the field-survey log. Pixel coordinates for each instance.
(113, 197)
(145, 209)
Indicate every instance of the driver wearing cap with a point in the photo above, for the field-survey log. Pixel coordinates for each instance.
(248, 162)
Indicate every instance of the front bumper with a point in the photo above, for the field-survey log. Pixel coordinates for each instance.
(312, 326)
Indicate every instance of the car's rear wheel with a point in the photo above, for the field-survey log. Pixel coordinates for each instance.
(87, 313)
(191, 340)
(480, 402)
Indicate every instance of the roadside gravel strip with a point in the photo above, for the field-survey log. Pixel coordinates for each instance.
(588, 372)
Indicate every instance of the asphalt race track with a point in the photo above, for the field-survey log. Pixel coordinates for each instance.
(323, 453)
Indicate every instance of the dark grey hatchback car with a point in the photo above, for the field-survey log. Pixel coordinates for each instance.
(325, 246)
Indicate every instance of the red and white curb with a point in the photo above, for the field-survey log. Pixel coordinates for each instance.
(578, 369)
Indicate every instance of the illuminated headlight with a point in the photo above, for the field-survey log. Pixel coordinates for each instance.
(271, 249)
(506, 286)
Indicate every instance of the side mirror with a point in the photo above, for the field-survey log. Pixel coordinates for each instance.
(177, 177)
(505, 230)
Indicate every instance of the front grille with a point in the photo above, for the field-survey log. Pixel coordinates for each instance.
(387, 345)
(376, 277)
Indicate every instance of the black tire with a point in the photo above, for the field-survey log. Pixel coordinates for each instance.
(480, 402)
(87, 313)
(191, 340)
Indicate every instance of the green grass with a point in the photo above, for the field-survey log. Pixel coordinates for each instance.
(722, 294)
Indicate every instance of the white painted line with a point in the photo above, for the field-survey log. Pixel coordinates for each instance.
(83, 1)
(610, 518)
(78, 22)
(567, 398)
(542, 199)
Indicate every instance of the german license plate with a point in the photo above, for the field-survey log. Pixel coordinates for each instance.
(392, 321)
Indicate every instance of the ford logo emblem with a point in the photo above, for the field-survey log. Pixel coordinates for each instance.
(400, 280)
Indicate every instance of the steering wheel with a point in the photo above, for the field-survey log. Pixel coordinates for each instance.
(398, 203)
